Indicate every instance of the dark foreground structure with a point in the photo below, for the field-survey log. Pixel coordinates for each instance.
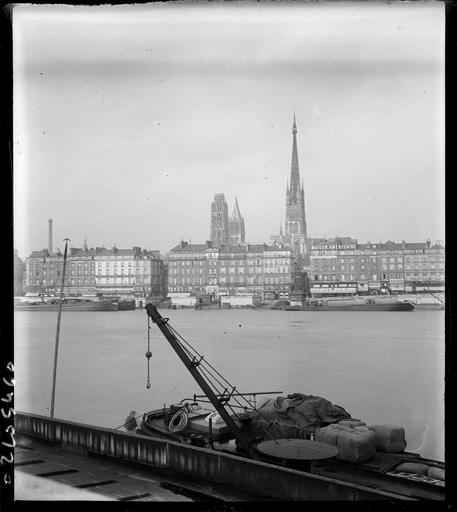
(260, 479)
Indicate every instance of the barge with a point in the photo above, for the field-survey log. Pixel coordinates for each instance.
(349, 304)
(77, 305)
(68, 305)
(403, 472)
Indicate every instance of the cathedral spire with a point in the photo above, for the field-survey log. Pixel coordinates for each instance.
(294, 170)
(295, 227)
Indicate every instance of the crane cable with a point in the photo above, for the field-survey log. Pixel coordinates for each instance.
(209, 374)
(181, 415)
(148, 354)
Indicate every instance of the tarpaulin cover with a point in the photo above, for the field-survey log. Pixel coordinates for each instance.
(294, 416)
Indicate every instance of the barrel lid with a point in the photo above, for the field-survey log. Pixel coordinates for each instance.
(297, 449)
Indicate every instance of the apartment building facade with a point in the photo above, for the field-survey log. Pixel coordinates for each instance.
(260, 269)
(121, 272)
(387, 267)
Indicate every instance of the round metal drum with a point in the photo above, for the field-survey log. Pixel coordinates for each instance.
(297, 449)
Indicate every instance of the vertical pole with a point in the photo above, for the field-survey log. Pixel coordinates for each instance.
(211, 433)
(59, 314)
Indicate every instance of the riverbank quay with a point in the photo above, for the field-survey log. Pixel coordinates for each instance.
(46, 471)
(234, 477)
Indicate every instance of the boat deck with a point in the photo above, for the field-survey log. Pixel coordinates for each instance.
(154, 425)
(379, 471)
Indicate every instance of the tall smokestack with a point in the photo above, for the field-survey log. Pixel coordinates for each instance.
(50, 237)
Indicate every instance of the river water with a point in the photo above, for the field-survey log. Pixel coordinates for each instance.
(382, 367)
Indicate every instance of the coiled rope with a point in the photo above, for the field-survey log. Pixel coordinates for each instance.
(178, 421)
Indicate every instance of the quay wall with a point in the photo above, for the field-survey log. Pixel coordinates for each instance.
(257, 477)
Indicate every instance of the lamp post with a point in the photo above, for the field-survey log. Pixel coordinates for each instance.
(59, 314)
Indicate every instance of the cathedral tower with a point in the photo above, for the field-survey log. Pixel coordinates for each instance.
(295, 229)
(219, 233)
(236, 226)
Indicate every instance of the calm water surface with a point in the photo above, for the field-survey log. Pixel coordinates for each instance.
(382, 367)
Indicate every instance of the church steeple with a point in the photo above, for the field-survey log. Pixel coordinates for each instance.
(295, 227)
(294, 190)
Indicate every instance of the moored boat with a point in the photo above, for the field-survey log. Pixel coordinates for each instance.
(424, 304)
(106, 305)
(351, 304)
(425, 301)
(126, 305)
(68, 305)
(399, 471)
(429, 306)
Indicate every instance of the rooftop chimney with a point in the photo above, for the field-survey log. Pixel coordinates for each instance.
(50, 237)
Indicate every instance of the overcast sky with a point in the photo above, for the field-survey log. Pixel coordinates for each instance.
(128, 119)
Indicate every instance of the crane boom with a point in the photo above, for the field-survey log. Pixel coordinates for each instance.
(217, 401)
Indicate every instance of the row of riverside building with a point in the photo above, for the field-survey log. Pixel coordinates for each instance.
(337, 266)
(291, 265)
(120, 272)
